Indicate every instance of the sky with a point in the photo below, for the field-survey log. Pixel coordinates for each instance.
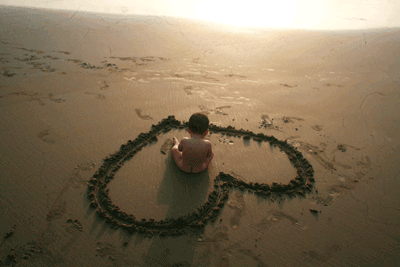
(298, 14)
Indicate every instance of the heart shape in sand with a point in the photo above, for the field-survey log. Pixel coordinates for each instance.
(97, 191)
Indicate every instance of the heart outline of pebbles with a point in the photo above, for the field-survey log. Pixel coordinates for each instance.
(97, 191)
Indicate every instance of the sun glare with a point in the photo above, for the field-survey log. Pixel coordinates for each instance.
(249, 13)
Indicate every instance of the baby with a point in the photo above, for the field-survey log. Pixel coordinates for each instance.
(193, 155)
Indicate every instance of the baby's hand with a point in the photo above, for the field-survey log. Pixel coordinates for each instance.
(174, 140)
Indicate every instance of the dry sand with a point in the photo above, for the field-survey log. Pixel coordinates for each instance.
(75, 86)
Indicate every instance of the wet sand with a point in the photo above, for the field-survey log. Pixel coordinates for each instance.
(304, 130)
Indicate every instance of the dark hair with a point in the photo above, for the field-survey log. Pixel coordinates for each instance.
(198, 123)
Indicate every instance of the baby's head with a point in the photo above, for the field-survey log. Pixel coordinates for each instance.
(198, 123)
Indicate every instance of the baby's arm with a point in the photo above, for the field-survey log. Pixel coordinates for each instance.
(209, 152)
(180, 147)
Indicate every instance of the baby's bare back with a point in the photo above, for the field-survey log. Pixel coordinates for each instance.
(195, 151)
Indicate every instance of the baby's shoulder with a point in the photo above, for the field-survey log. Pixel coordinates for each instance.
(185, 140)
(207, 143)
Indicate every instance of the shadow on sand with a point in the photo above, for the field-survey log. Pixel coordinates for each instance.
(183, 193)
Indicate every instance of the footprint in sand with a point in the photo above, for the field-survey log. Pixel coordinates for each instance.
(108, 250)
(210, 78)
(317, 127)
(4, 60)
(48, 69)
(76, 61)
(211, 246)
(276, 216)
(11, 232)
(346, 183)
(323, 201)
(238, 205)
(140, 115)
(322, 145)
(104, 85)
(226, 141)
(74, 226)
(287, 85)
(8, 73)
(330, 84)
(344, 147)
(15, 93)
(314, 213)
(266, 120)
(57, 100)
(180, 75)
(324, 257)
(85, 167)
(34, 97)
(309, 256)
(105, 249)
(364, 163)
(38, 245)
(57, 211)
(188, 90)
(291, 119)
(51, 57)
(98, 96)
(217, 110)
(214, 250)
(220, 233)
(63, 52)
(79, 178)
(43, 135)
(235, 75)
(317, 153)
(204, 109)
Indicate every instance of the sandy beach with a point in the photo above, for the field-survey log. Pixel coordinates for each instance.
(75, 87)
